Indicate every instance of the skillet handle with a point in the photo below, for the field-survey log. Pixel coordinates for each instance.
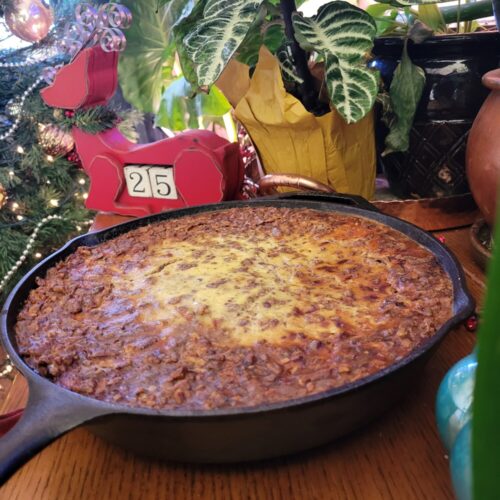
(47, 416)
(343, 199)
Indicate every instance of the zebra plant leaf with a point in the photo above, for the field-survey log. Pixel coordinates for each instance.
(288, 72)
(217, 36)
(343, 35)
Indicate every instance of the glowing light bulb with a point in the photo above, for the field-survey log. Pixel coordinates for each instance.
(19, 217)
(38, 255)
(81, 181)
(85, 196)
(20, 150)
(54, 203)
(11, 173)
(15, 206)
(50, 158)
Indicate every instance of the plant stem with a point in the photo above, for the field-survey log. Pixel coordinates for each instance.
(308, 92)
(468, 12)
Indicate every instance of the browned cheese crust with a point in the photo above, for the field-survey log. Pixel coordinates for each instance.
(233, 308)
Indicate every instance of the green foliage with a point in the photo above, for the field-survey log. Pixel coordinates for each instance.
(216, 37)
(180, 108)
(147, 63)
(431, 16)
(261, 33)
(486, 405)
(39, 185)
(181, 28)
(288, 71)
(405, 92)
(343, 35)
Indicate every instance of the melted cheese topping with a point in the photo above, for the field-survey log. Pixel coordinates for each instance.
(266, 286)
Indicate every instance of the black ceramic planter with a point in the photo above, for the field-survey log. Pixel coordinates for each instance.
(434, 165)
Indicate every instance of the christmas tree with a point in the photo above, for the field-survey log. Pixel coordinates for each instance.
(42, 188)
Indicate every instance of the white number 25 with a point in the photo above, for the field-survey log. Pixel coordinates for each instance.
(150, 182)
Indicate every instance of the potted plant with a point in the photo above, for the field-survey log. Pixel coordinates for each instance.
(423, 152)
(312, 106)
(311, 121)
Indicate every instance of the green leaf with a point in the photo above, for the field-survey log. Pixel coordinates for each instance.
(146, 66)
(432, 17)
(343, 35)
(378, 9)
(486, 404)
(216, 37)
(181, 28)
(405, 92)
(384, 16)
(272, 37)
(288, 71)
(181, 109)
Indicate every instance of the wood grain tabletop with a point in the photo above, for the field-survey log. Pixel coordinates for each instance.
(399, 456)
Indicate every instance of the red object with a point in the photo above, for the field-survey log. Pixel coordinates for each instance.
(442, 239)
(201, 167)
(192, 168)
(472, 323)
(69, 114)
(8, 421)
(90, 80)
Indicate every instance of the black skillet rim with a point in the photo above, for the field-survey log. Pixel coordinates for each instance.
(462, 301)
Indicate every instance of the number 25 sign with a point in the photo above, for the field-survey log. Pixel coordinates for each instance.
(150, 182)
(192, 168)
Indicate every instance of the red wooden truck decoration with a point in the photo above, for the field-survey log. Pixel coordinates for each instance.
(192, 168)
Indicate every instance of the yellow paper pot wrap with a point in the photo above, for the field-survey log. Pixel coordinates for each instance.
(290, 140)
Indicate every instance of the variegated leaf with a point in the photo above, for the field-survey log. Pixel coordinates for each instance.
(343, 35)
(288, 72)
(214, 40)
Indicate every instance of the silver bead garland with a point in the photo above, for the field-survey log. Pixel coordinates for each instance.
(20, 104)
(26, 251)
(15, 64)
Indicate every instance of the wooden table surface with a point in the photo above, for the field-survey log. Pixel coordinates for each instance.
(399, 456)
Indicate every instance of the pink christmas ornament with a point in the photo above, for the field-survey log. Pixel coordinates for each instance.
(29, 20)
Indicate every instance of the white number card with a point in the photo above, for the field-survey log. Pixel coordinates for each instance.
(150, 182)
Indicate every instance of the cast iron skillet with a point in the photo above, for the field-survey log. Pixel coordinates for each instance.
(226, 435)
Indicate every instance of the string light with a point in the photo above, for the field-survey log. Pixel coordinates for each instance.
(38, 255)
(50, 158)
(14, 206)
(85, 196)
(20, 150)
(26, 251)
(11, 173)
(81, 181)
(54, 203)
(20, 217)
(20, 106)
